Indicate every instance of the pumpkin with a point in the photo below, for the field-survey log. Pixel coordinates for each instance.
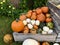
(26, 30)
(48, 15)
(29, 13)
(41, 17)
(35, 27)
(33, 31)
(45, 9)
(48, 20)
(8, 38)
(56, 44)
(45, 43)
(22, 17)
(33, 17)
(38, 11)
(30, 26)
(30, 42)
(17, 25)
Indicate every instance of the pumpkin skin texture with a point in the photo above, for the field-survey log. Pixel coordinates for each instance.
(41, 17)
(38, 11)
(45, 9)
(29, 13)
(33, 17)
(17, 26)
(22, 17)
(45, 43)
(8, 38)
(48, 20)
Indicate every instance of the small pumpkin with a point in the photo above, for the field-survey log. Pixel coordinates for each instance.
(22, 17)
(17, 25)
(33, 17)
(45, 9)
(8, 38)
(35, 27)
(33, 31)
(45, 43)
(48, 20)
(26, 30)
(29, 13)
(38, 11)
(48, 15)
(41, 17)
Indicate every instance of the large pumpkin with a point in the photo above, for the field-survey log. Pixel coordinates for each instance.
(41, 17)
(17, 26)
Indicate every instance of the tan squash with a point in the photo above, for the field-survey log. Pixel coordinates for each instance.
(8, 38)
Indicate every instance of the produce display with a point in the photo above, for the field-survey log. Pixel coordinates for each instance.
(34, 21)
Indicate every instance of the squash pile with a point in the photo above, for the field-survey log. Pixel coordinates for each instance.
(34, 21)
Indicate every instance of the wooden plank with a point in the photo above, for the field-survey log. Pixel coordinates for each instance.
(39, 37)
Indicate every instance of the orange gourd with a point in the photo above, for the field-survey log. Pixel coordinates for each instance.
(22, 17)
(45, 43)
(17, 26)
(38, 11)
(48, 20)
(45, 9)
(35, 27)
(29, 13)
(33, 17)
(41, 17)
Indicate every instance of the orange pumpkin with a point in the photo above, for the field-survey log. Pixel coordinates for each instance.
(45, 9)
(48, 20)
(22, 17)
(29, 13)
(33, 17)
(35, 27)
(17, 26)
(41, 17)
(38, 11)
(45, 43)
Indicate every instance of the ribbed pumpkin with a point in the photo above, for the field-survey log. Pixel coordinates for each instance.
(17, 26)
(41, 17)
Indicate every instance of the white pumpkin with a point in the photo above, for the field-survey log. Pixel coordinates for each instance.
(44, 32)
(55, 44)
(32, 22)
(28, 20)
(50, 31)
(30, 42)
(24, 22)
(37, 22)
(30, 26)
(45, 28)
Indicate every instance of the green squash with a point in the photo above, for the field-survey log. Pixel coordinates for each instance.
(50, 25)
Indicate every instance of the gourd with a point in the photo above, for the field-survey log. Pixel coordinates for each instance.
(41, 17)
(45, 43)
(8, 38)
(45, 9)
(30, 42)
(48, 20)
(17, 25)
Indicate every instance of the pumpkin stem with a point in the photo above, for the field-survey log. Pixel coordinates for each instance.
(17, 19)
